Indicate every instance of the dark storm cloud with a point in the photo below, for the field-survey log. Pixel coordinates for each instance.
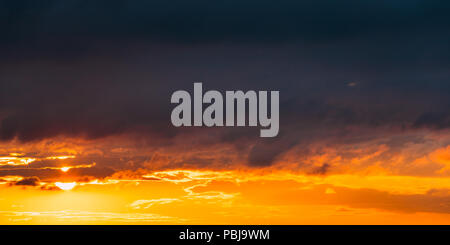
(265, 151)
(182, 21)
(99, 68)
(322, 170)
(434, 120)
(31, 181)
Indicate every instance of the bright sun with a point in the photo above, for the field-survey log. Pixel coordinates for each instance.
(65, 169)
(65, 186)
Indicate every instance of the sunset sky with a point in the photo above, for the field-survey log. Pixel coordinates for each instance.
(86, 136)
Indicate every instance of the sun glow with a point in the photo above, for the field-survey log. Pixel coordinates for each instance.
(66, 186)
(15, 161)
(60, 157)
(65, 169)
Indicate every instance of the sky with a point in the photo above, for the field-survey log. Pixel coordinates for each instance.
(86, 136)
